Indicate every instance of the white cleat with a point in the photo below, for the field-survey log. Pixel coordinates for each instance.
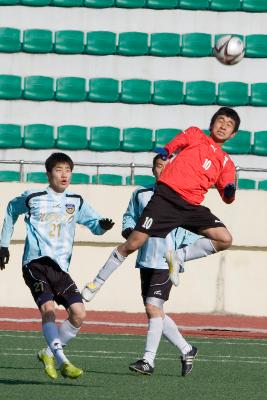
(89, 291)
(175, 266)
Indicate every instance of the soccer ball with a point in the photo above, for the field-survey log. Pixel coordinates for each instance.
(229, 49)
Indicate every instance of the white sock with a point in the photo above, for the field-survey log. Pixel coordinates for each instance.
(155, 326)
(202, 247)
(171, 332)
(66, 332)
(51, 335)
(112, 263)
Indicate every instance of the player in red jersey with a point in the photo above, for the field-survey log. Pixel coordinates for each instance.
(199, 164)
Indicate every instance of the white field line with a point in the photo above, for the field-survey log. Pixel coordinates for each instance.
(221, 359)
(141, 325)
(133, 338)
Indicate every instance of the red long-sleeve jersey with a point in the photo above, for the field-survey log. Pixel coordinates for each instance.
(200, 164)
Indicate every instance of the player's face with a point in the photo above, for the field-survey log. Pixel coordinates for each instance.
(60, 176)
(159, 167)
(223, 129)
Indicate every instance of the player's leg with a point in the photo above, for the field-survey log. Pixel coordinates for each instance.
(174, 336)
(118, 255)
(215, 238)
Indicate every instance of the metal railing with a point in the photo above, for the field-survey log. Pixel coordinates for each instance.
(132, 166)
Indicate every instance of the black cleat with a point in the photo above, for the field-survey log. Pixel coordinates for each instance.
(187, 361)
(141, 366)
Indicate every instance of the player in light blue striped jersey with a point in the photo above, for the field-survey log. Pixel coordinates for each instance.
(51, 216)
(155, 282)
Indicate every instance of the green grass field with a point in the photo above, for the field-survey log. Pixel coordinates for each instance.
(229, 369)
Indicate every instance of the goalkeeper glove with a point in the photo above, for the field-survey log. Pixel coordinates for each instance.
(126, 233)
(106, 223)
(4, 257)
(229, 190)
(164, 154)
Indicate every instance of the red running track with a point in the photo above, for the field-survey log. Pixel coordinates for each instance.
(28, 319)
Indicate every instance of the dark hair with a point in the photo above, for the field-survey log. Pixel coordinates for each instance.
(56, 158)
(157, 157)
(228, 112)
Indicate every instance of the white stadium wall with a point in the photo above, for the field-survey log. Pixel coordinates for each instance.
(233, 281)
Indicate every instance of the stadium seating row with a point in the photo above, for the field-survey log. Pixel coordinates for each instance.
(112, 179)
(80, 178)
(132, 91)
(108, 138)
(216, 5)
(129, 43)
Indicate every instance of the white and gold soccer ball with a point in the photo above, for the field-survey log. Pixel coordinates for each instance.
(229, 49)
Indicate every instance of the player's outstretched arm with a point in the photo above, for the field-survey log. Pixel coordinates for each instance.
(4, 257)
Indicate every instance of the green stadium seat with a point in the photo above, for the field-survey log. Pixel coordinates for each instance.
(132, 44)
(258, 95)
(137, 139)
(262, 185)
(99, 3)
(38, 88)
(254, 5)
(260, 143)
(67, 3)
(196, 45)
(72, 137)
(165, 135)
(71, 89)
(104, 138)
(10, 87)
(141, 180)
(233, 94)
(78, 178)
(162, 4)
(36, 177)
(164, 44)
(194, 4)
(100, 43)
(225, 5)
(107, 179)
(37, 41)
(168, 92)
(35, 3)
(9, 40)
(38, 136)
(239, 144)
(10, 136)
(9, 2)
(200, 93)
(130, 3)
(256, 46)
(69, 42)
(9, 176)
(136, 91)
(104, 90)
(246, 183)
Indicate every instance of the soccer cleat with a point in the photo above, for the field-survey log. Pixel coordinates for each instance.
(175, 266)
(187, 361)
(141, 366)
(49, 364)
(69, 370)
(89, 291)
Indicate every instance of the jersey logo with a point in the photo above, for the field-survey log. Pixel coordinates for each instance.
(213, 148)
(70, 208)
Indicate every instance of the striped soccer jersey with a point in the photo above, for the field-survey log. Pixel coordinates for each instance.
(151, 254)
(50, 219)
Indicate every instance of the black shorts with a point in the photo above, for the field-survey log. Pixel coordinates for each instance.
(47, 281)
(166, 211)
(155, 283)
